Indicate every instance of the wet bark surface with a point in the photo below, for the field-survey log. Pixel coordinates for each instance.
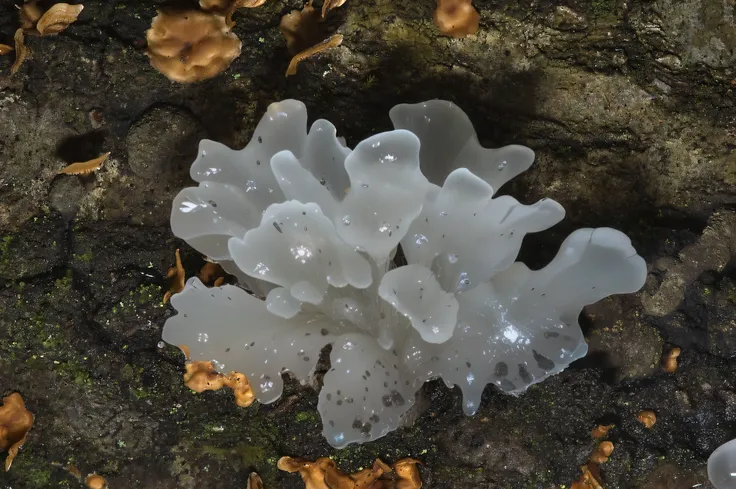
(629, 107)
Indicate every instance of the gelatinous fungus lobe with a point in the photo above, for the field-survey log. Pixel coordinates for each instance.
(315, 266)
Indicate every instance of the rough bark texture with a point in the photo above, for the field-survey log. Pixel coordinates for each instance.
(630, 107)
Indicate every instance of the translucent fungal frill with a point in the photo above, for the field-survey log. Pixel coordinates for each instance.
(311, 227)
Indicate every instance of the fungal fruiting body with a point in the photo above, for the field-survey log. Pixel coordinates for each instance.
(722, 466)
(315, 264)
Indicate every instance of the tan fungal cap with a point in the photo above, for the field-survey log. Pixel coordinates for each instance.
(602, 452)
(15, 423)
(57, 18)
(5, 49)
(191, 46)
(302, 29)
(456, 18)
(95, 481)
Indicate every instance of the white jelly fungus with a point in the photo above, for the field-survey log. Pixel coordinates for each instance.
(311, 228)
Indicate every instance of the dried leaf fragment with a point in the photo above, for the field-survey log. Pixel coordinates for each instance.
(601, 431)
(602, 452)
(456, 18)
(331, 42)
(95, 481)
(15, 423)
(21, 51)
(669, 363)
(202, 376)
(329, 5)
(647, 418)
(57, 18)
(177, 277)
(85, 167)
(5, 49)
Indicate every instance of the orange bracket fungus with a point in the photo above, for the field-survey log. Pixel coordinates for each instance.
(456, 18)
(202, 376)
(85, 167)
(191, 46)
(15, 423)
(58, 17)
(177, 276)
(33, 20)
(323, 474)
(5, 49)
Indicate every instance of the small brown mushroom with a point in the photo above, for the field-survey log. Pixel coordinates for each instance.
(602, 452)
(669, 363)
(601, 431)
(456, 18)
(95, 481)
(302, 28)
(191, 46)
(5, 49)
(15, 423)
(647, 418)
